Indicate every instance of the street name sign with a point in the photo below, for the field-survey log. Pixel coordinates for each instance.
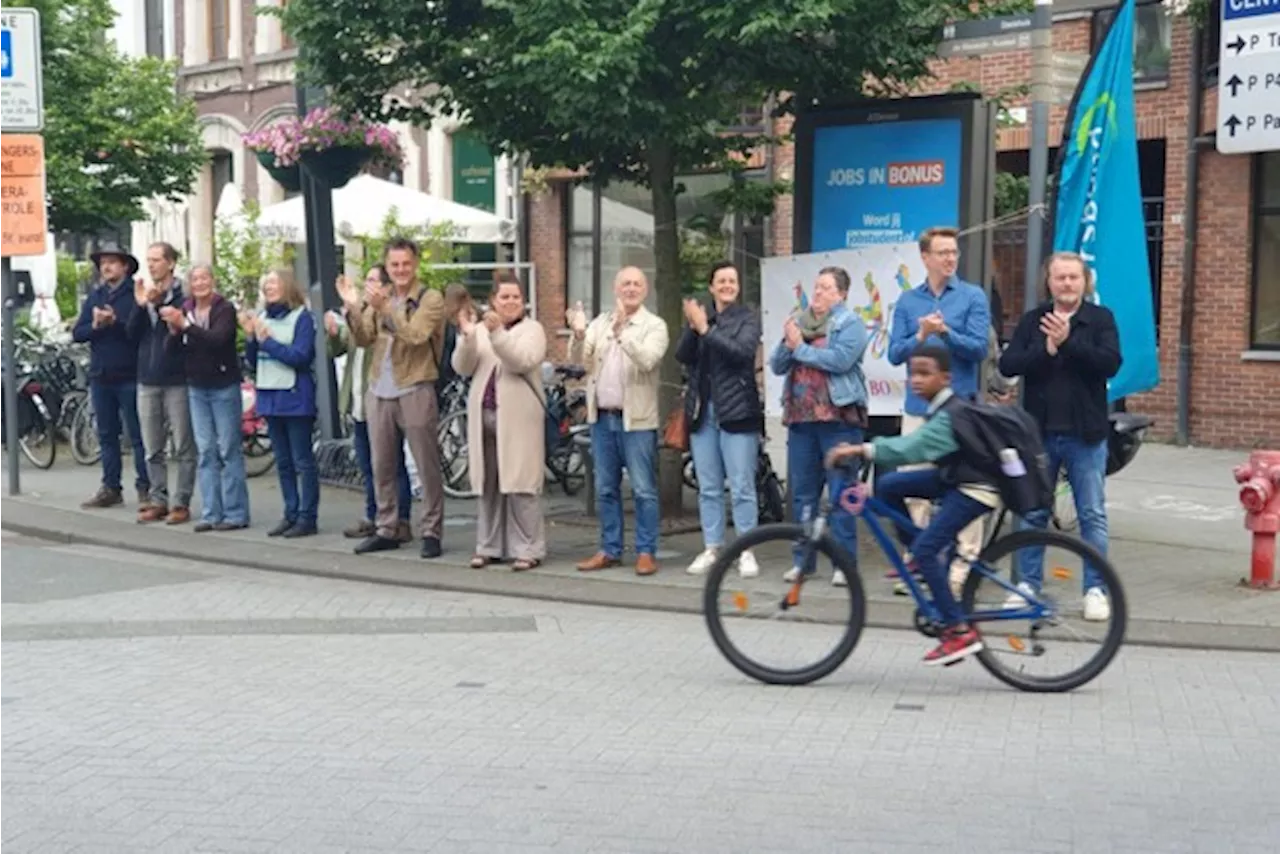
(986, 35)
(1249, 77)
(21, 80)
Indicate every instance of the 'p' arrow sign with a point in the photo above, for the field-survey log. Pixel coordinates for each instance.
(1233, 123)
(1235, 83)
(1237, 45)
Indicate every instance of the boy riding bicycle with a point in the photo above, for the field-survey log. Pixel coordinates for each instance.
(962, 492)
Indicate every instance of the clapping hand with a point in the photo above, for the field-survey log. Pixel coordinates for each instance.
(347, 292)
(791, 335)
(931, 324)
(247, 322)
(696, 314)
(491, 321)
(141, 292)
(263, 331)
(331, 323)
(842, 452)
(174, 317)
(467, 321)
(1055, 329)
(576, 317)
(376, 297)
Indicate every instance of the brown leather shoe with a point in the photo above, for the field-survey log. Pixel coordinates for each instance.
(103, 498)
(152, 513)
(646, 565)
(178, 516)
(598, 561)
(404, 532)
(360, 530)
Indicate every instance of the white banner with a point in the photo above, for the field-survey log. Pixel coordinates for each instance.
(880, 274)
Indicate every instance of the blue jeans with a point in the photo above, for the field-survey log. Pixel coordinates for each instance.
(215, 420)
(1087, 473)
(296, 464)
(715, 455)
(807, 447)
(612, 449)
(931, 549)
(116, 404)
(364, 458)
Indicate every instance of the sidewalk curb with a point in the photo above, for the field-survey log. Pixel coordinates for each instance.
(62, 526)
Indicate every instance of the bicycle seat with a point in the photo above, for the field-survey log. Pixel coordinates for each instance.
(571, 372)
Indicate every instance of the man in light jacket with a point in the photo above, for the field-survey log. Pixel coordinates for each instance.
(622, 351)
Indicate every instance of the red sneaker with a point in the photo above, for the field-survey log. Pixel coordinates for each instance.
(956, 644)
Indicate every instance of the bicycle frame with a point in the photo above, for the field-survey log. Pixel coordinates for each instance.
(858, 502)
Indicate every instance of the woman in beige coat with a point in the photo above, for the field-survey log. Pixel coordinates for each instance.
(503, 355)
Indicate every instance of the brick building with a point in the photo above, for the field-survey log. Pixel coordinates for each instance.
(1235, 354)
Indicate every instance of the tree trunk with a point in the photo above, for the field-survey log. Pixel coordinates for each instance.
(666, 254)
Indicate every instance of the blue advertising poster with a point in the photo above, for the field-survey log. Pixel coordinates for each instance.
(884, 183)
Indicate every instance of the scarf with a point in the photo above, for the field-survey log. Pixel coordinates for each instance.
(811, 326)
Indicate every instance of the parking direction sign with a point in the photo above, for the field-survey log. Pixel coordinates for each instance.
(1249, 77)
(21, 81)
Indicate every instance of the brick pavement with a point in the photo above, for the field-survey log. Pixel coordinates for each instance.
(598, 731)
(1177, 539)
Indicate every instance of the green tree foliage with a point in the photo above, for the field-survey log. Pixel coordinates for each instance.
(245, 253)
(636, 90)
(116, 131)
(434, 246)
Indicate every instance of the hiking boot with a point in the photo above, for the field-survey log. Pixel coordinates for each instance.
(104, 497)
(360, 530)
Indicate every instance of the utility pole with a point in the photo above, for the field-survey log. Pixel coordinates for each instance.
(1041, 94)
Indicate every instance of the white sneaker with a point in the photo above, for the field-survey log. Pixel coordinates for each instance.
(702, 562)
(838, 579)
(792, 575)
(1096, 607)
(747, 566)
(1019, 600)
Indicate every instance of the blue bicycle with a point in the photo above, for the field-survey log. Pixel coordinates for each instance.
(1018, 623)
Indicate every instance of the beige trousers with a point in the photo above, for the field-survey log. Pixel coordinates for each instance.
(416, 416)
(511, 524)
(969, 540)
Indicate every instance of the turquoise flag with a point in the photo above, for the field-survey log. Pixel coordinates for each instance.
(1099, 202)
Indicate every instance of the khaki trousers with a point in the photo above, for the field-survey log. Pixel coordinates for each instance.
(416, 416)
(969, 540)
(508, 525)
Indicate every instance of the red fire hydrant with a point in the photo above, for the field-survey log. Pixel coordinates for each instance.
(1260, 495)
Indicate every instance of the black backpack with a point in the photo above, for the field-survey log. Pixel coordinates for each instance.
(1003, 443)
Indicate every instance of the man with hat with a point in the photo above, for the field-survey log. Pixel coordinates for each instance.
(113, 371)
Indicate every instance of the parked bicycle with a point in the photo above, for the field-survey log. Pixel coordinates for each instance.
(1018, 627)
(769, 487)
(37, 420)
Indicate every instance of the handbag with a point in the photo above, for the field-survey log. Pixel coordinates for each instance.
(675, 433)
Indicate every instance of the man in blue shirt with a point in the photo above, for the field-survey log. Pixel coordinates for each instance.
(949, 312)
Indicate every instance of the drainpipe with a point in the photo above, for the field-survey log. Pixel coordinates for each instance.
(1190, 221)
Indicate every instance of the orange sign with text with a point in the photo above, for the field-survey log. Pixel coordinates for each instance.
(24, 221)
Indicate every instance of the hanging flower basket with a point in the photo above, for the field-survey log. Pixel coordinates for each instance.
(289, 177)
(336, 166)
(334, 147)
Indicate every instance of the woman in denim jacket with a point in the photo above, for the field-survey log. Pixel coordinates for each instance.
(824, 399)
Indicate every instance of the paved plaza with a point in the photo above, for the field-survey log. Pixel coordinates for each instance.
(154, 704)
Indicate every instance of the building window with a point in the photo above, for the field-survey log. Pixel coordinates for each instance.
(219, 29)
(153, 13)
(1265, 322)
(1152, 40)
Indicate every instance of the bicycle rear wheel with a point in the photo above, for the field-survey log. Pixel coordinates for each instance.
(1019, 627)
(742, 613)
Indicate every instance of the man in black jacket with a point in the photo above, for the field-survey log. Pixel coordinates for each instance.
(113, 371)
(1066, 350)
(163, 410)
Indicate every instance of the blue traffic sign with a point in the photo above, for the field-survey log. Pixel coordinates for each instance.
(6, 53)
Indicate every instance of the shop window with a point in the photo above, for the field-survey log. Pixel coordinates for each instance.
(1265, 314)
(1152, 40)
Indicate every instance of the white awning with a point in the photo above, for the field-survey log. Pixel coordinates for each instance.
(360, 208)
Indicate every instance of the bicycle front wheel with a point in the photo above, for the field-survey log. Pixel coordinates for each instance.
(1054, 635)
(85, 448)
(744, 613)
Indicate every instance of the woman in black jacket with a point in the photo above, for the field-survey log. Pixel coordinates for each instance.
(205, 330)
(722, 403)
